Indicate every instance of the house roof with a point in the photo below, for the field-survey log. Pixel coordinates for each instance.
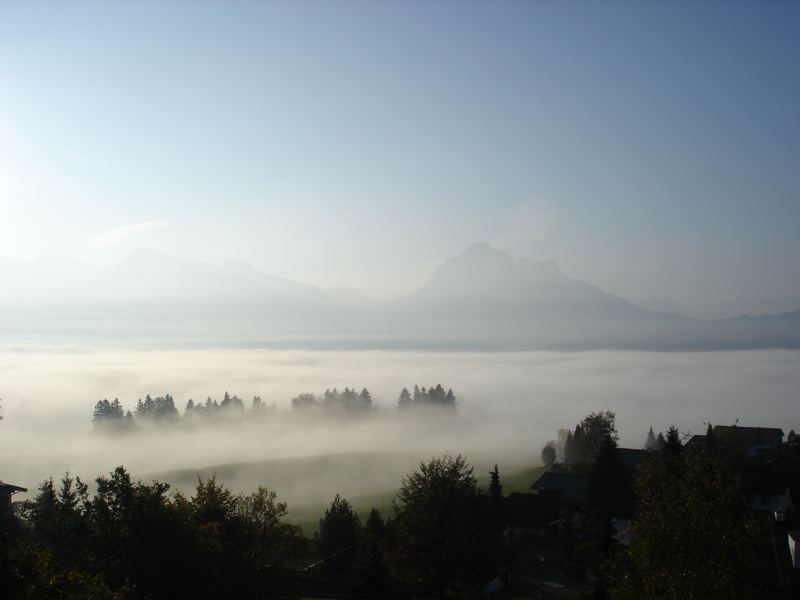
(568, 485)
(756, 436)
(8, 488)
(739, 440)
(696, 442)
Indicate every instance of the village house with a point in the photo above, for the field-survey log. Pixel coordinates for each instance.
(740, 441)
(7, 490)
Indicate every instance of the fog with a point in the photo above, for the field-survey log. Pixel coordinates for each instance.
(509, 405)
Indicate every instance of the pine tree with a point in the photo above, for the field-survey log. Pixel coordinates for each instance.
(570, 451)
(339, 531)
(404, 401)
(365, 399)
(450, 399)
(710, 442)
(373, 571)
(496, 497)
(549, 454)
(650, 443)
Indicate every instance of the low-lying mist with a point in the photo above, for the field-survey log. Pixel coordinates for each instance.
(508, 406)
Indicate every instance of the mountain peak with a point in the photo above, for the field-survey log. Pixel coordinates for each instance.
(483, 251)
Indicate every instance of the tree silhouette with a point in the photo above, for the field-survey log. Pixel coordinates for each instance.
(650, 443)
(448, 540)
(549, 454)
(338, 537)
(693, 537)
(404, 401)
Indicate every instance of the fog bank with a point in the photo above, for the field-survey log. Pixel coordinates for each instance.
(509, 404)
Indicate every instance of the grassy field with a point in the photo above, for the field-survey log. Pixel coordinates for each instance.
(308, 484)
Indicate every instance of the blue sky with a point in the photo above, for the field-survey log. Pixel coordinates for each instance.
(652, 149)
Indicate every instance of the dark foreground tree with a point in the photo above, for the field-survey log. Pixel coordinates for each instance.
(136, 541)
(267, 543)
(496, 498)
(693, 537)
(373, 570)
(447, 540)
(338, 538)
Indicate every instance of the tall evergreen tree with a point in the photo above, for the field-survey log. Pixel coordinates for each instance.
(365, 399)
(338, 537)
(710, 441)
(404, 401)
(673, 445)
(373, 570)
(450, 398)
(650, 443)
(548, 455)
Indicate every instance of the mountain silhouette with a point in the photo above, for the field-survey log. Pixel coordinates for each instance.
(483, 299)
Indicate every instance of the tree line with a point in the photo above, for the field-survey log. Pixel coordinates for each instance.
(131, 541)
(162, 409)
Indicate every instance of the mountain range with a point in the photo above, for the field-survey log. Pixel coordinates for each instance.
(481, 300)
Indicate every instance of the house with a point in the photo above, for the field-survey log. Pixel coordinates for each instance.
(633, 459)
(565, 486)
(537, 512)
(768, 489)
(742, 441)
(6, 491)
(794, 547)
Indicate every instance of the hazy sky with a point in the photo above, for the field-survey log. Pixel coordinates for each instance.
(649, 148)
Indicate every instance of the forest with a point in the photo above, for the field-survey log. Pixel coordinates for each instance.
(162, 409)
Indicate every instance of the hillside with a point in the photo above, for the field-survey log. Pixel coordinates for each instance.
(309, 483)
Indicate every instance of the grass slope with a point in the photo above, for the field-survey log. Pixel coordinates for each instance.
(308, 484)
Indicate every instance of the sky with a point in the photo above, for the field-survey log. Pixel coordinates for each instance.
(650, 149)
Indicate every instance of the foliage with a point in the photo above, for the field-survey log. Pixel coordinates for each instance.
(432, 397)
(338, 538)
(549, 454)
(267, 543)
(581, 447)
(135, 540)
(609, 486)
(373, 570)
(651, 442)
(110, 414)
(404, 400)
(161, 408)
(447, 540)
(694, 538)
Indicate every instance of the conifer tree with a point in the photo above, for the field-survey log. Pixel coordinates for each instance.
(650, 443)
(548, 455)
(404, 401)
(339, 531)
(365, 399)
(450, 399)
